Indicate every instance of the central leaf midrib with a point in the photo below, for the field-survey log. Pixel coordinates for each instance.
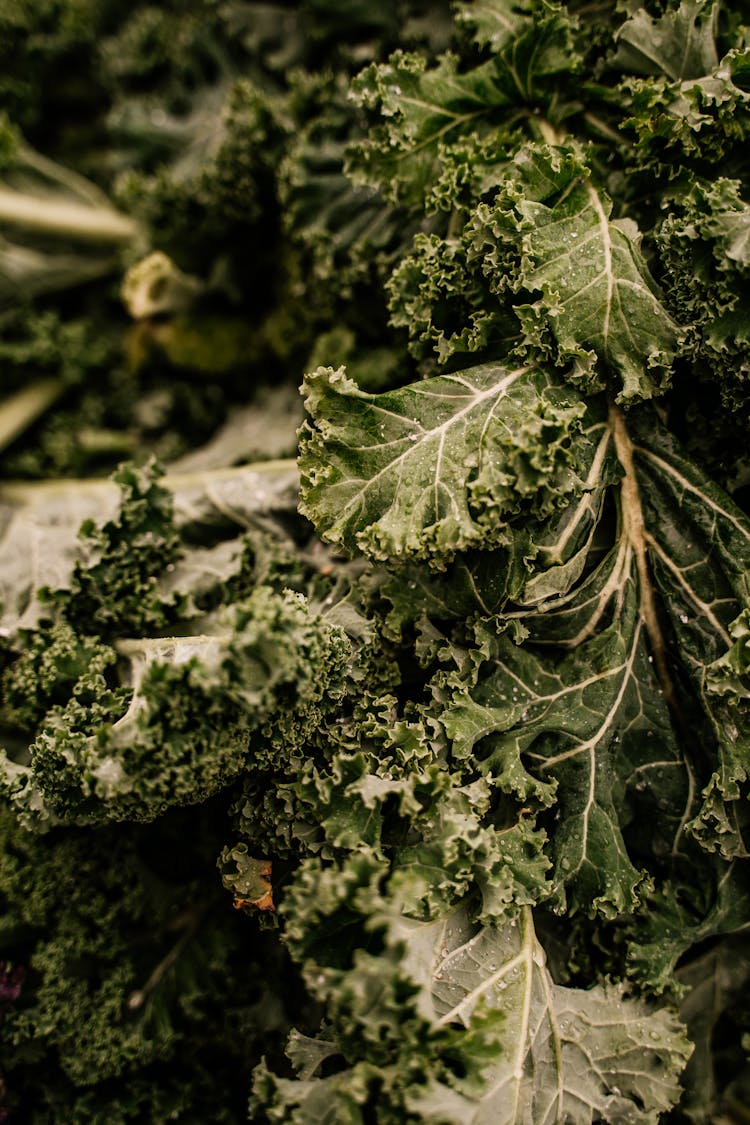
(596, 204)
(634, 528)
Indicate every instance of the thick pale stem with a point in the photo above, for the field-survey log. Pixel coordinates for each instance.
(549, 132)
(21, 410)
(25, 492)
(61, 217)
(635, 530)
(66, 177)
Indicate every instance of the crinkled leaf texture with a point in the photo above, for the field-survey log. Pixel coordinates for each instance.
(422, 111)
(693, 119)
(562, 1054)
(438, 466)
(263, 664)
(680, 44)
(129, 725)
(40, 544)
(599, 301)
(431, 116)
(581, 734)
(625, 566)
(519, 1049)
(680, 916)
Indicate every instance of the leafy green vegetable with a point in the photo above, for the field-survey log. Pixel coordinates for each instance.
(427, 754)
(380, 471)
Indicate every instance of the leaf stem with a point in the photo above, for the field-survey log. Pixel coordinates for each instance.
(635, 530)
(22, 409)
(66, 218)
(26, 492)
(63, 176)
(603, 129)
(138, 998)
(549, 133)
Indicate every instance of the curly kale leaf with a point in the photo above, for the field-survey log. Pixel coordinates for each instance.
(680, 44)
(697, 119)
(140, 993)
(428, 115)
(422, 111)
(135, 553)
(487, 773)
(705, 262)
(556, 1048)
(114, 585)
(264, 668)
(442, 465)
(404, 476)
(499, 1040)
(548, 230)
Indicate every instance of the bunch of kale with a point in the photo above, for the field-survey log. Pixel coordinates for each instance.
(453, 710)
